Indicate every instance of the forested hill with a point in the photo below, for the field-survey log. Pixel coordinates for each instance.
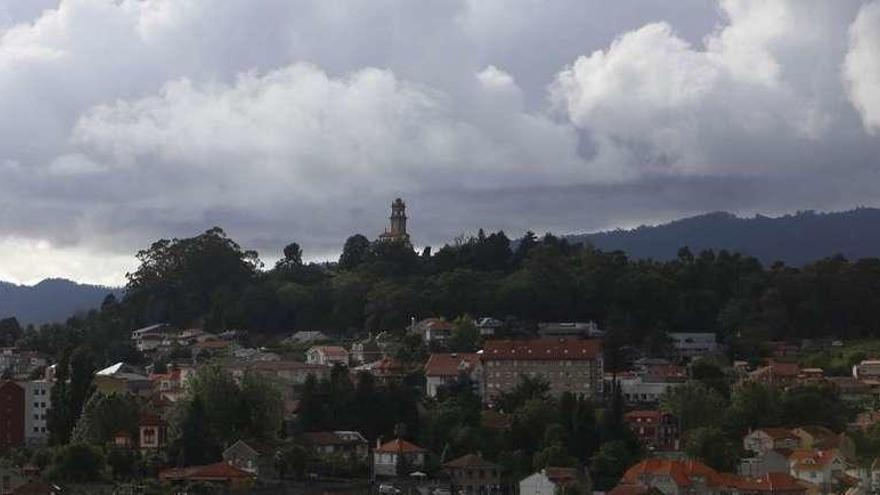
(795, 239)
(50, 300)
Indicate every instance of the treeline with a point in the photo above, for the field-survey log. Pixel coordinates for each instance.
(210, 281)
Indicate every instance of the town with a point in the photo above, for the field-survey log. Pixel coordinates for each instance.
(480, 404)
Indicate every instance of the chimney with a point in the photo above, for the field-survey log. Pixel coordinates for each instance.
(378, 442)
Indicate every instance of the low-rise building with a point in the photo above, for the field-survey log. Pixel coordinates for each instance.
(220, 472)
(252, 457)
(820, 467)
(473, 475)
(763, 440)
(350, 444)
(488, 327)
(549, 481)
(777, 374)
(436, 330)
(693, 344)
(121, 378)
(152, 433)
(444, 369)
(327, 355)
(571, 329)
(656, 430)
(567, 365)
(397, 458)
(868, 369)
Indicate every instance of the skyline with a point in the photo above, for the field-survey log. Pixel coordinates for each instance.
(300, 121)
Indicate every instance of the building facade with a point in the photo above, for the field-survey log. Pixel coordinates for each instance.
(397, 231)
(573, 366)
(37, 402)
(12, 415)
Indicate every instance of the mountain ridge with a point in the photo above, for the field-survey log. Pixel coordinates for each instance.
(50, 300)
(795, 238)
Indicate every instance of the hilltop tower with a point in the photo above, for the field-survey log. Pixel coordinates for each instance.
(397, 232)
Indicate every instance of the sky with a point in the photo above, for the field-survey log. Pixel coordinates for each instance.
(126, 121)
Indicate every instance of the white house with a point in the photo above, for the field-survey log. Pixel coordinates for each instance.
(548, 481)
(327, 355)
(392, 458)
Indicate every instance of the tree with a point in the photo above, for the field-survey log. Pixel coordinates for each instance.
(465, 335)
(712, 446)
(10, 332)
(754, 405)
(355, 252)
(193, 442)
(72, 389)
(292, 257)
(610, 462)
(77, 463)
(106, 415)
(694, 405)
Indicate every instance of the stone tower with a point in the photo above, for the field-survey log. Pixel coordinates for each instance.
(397, 232)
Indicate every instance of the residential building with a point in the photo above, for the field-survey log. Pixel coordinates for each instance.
(770, 461)
(433, 330)
(649, 383)
(12, 415)
(221, 472)
(385, 370)
(327, 355)
(820, 467)
(473, 475)
(37, 402)
(567, 365)
(488, 326)
(777, 374)
(868, 369)
(172, 385)
(572, 329)
(397, 458)
(549, 481)
(443, 369)
(149, 338)
(310, 337)
(252, 457)
(816, 437)
(20, 363)
(350, 444)
(693, 344)
(366, 351)
(656, 430)
(284, 373)
(121, 378)
(763, 440)
(152, 433)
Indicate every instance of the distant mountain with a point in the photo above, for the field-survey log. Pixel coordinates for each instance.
(50, 300)
(795, 239)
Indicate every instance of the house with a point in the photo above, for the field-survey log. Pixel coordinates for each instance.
(776, 373)
(397, 458)
(549, 481)
(432, 329)
(868, 369)
(852, 389)
(253, 458)
(306, 337)
(774, 483)
(350, 444)
(693, 344)
(327, 355)
(443, 369)
(122, 378)
(20, 363)
(681, 477)
(284, 373)
(771, 461)
(473, 475)
(656, 430)
(820, 467)
(572, 330)
(649, 383)
(816, 437)
(385, 370)
(488, 327)
(366, 351)
(172, 385)
(149, 338)
(12, 415)
(152, 433)
(567, 365)
(763, 440)
(221, 472)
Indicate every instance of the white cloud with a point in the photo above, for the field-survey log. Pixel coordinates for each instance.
(862, 67)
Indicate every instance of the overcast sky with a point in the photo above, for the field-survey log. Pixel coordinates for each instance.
(125, 121)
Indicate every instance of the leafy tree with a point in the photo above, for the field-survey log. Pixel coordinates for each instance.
(694, 405)
(712, 446)
(106, 415)
(354, 253)
(77, 463)
(610, 462)
(10, 332)
(465, 335)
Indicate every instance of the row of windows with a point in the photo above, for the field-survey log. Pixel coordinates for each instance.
(545, 374)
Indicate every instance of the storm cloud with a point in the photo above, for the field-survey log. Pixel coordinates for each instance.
(125, 121)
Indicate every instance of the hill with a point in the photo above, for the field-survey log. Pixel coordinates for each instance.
(795, 239)
(52, 300)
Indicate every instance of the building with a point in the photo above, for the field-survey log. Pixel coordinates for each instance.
(549, 481)
(777, 374)
(121, 378)
(433, 330)
(820, 467)
(306, 337)
(350, 444)
(221, 472)
(488, 327)
(283, 373)
(397, 231)
(473, 475)
(253, 458)
(575, 329)
(692, 344)
(764, 440)
(366, 351)
(327, 355)
(152, 433)
(20, 363)
(868, 369)
(12, 415)
(816, 437)
(444, 369)
(171, 385)
(573, 366)
(149, 338)
(656, 430)
(397, 458)
(649, 383)
(37, 402)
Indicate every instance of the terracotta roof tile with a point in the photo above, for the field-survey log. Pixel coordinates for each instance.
(399, 446)
(542, 349)
(451, 364)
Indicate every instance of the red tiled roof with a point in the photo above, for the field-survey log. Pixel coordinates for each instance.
(451, 364)
(542, 349)
(333, 351)
(680, 472)
(399, 446)
(644, 415)
(220, 471)
(151, 420)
